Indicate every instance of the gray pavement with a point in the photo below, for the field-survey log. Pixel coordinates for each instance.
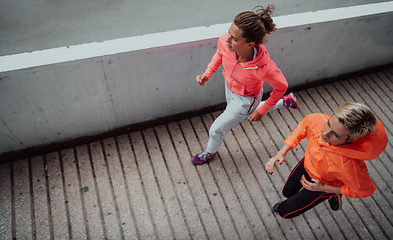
(27, 26)
(142, 184)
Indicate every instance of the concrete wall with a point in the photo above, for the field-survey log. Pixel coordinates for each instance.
(58, 94)
(32, 25)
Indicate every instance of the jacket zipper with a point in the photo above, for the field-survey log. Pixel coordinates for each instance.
(234, 71)
(255, 67)
(234, 68)
(255, 98)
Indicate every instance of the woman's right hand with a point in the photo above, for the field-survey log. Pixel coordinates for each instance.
(279, 157)
(270, 164)
(201, 79)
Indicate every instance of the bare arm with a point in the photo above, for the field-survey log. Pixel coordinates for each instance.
(280, 157)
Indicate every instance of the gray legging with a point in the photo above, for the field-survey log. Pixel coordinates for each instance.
(238, 109)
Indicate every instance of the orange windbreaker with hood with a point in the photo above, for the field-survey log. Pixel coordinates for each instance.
(341, 166)
(246, 79)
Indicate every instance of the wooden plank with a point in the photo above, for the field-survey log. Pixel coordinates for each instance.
(104, 189)
(385, 86)
(71, 179)
(119, 188)
(40, 198)
(22, 200)
(181, 183)
(89, 198)
(387, 78)
(224, 220)
(144, 225)
(166, 186)
(320, 103)
(156, 207)
(56, 195)
(5, 202)
(381, 212)
(221, 172)
(186, 134)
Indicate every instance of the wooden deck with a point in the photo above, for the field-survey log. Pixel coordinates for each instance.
(142, 185)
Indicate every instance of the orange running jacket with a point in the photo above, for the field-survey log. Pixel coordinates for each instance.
(339, 165)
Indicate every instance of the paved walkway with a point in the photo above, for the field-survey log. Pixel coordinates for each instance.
(143, 185)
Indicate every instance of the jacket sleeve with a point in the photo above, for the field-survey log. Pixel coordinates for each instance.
(214, 64)
(298, 134)
(357, 182)
(277, 81)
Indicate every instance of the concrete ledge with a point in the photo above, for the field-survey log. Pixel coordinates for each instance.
(116, 46)
(65, 93)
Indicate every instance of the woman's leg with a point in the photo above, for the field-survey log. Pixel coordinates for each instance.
(301, 201)
(293, 184)
(238, 110)
(278, 105)
(288, 101)
(226, 121)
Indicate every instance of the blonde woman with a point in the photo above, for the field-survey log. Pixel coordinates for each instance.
(333, 164)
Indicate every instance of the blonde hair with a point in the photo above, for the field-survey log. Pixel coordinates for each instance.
(357, 118)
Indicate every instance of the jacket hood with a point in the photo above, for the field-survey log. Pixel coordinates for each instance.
(368, 147)
(262, 58)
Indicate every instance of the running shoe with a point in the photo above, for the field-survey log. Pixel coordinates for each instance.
(275, 207)
(335, 202)
(290, 101)
(202, 157)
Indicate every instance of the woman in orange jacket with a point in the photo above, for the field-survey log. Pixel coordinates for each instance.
(333, 164)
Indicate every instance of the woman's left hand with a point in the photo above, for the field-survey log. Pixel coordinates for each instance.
(255, 116)
(315, 186)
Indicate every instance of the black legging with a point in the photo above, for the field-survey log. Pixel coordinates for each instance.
(299, 201)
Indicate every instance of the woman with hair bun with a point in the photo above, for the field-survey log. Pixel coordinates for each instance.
(247, 66)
